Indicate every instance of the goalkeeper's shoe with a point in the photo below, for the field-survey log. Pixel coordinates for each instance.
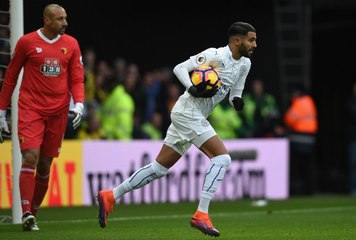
(29, 222)
(202, 222)
(106, 204)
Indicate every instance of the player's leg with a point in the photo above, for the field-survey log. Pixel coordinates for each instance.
(30, 131)
(157, 169)
(41, 182)
(220, 161)
(27, 185)
(197, 130)
(52, 141)
(169, 154)
(143, 176)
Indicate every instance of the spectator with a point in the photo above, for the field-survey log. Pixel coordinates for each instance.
(152, 130)
(89, 61)
(90, 128)
(134, 86)
(164, 75)
(260, 115)
(225, 120)
(174, 90)
(119, 70)
(152, 87)
(103, 81)
(117, 114)
(302, 125)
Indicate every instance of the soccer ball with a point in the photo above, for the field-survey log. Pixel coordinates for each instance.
(205, 73)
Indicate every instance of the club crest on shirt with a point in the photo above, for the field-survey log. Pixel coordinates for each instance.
(204, 122)
(243, 69)
(64, 50)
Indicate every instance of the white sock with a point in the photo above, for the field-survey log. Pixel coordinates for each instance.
(204, 205)
(213, 177)
(140, 178)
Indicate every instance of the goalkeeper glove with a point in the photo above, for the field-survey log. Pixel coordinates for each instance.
(4, 129)
(78, 111)
(238, 103)
(200, 91)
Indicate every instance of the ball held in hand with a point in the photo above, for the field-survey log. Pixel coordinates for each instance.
(207, 76)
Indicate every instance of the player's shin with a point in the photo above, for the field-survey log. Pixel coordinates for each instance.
(27, 185)
(41, 186)
(215, 175)
(140, 178)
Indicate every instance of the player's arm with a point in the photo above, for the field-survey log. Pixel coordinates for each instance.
(12, 74)
(9, 84)
(182, 71)
(235, 97)
(76, 75)
(76, 84)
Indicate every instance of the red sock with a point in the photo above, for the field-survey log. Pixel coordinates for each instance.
(27, 185)
(41, 186)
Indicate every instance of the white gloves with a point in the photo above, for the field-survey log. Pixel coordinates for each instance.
(4, 129)
(78, 112)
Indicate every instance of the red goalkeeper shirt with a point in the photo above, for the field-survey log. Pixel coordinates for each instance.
(53, 71)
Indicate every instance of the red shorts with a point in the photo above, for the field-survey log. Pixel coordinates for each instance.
(37, 130)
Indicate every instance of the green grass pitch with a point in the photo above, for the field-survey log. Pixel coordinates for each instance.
(304, 218)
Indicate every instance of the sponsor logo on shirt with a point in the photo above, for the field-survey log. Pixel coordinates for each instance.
(51, 67)
(38, 49)
(200, 59)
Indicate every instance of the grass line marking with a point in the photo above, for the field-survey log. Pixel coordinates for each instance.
(179, 216)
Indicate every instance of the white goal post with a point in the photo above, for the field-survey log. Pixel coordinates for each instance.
(16, 31)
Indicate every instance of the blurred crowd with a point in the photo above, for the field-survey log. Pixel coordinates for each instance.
(124, 103)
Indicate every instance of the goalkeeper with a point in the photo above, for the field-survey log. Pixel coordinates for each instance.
(53, 73)
(190, 126)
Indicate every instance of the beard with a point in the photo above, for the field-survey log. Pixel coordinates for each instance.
(244, 51)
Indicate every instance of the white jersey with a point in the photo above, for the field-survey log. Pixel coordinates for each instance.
(233, 75)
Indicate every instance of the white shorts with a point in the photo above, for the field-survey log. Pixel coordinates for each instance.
(185, 131)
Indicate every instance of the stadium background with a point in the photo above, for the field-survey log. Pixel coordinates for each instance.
(164, 34)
